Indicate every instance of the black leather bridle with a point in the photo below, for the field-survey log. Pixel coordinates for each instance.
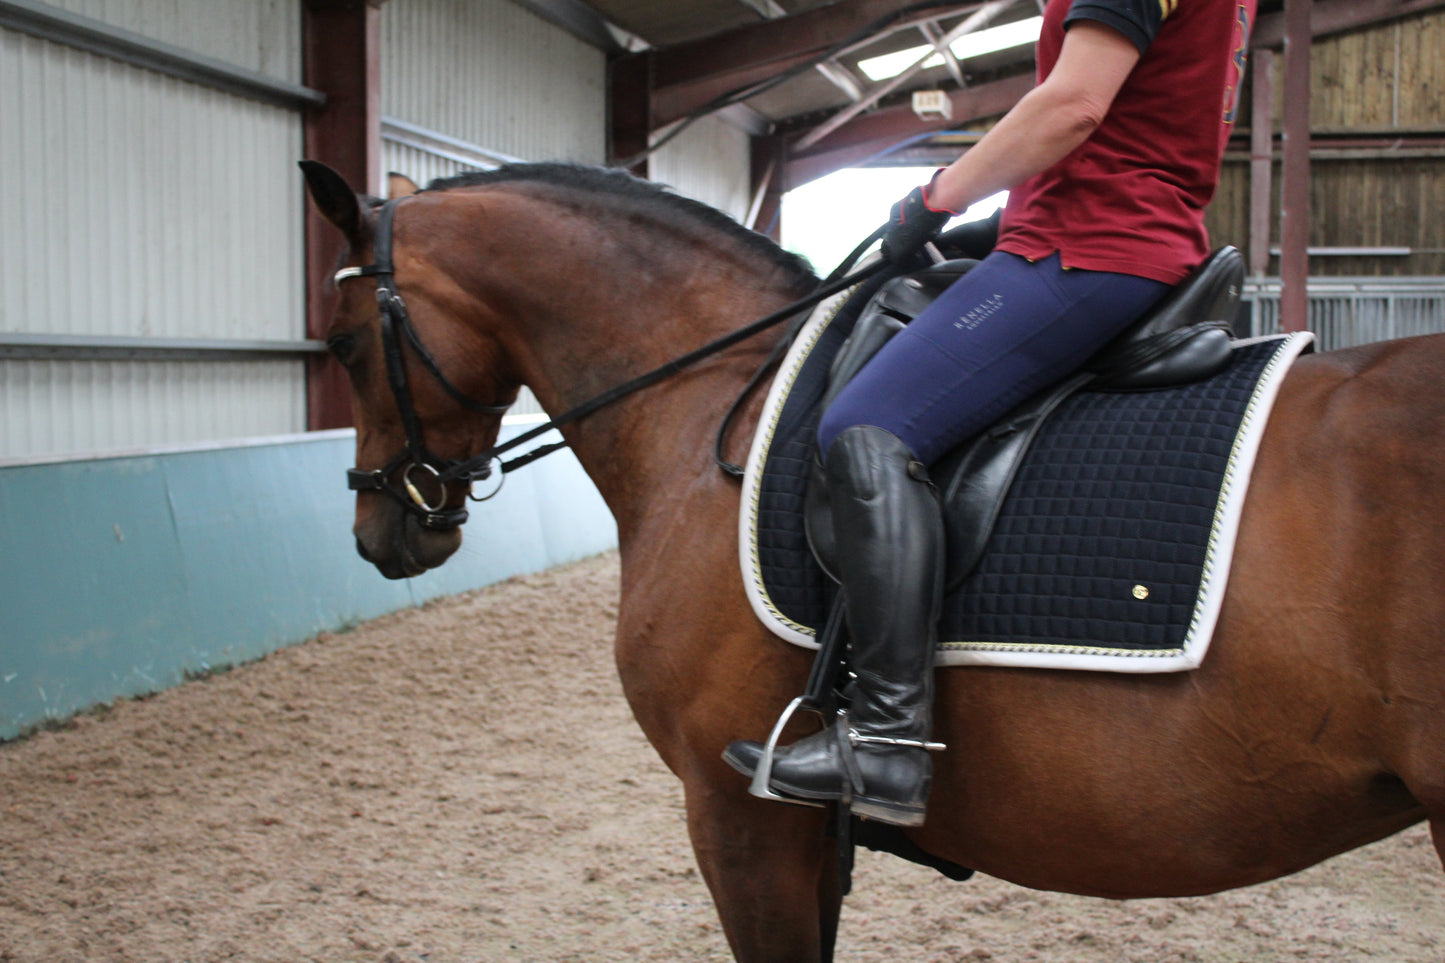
(417, 458)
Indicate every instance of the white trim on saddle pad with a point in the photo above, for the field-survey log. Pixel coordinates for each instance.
(1217, 562)
(777, 623)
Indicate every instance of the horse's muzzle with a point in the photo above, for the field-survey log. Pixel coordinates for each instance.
(400, 547)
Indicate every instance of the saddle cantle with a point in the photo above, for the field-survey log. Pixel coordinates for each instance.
(1184, 338)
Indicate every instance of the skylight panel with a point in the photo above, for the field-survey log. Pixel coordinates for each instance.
(974, 44)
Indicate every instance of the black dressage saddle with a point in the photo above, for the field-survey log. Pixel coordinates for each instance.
(1185, 338)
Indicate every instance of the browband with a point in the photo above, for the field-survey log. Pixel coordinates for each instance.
(358, 272)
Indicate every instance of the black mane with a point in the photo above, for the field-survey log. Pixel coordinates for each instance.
(622, 184)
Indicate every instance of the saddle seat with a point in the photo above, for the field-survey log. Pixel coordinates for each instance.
(1185, 338)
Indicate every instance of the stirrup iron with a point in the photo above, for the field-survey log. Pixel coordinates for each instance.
(819, 696)
(761, 786)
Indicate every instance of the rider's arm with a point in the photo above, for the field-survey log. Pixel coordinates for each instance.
(1048, 123)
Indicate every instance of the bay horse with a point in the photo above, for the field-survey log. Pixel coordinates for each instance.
(1313, 726)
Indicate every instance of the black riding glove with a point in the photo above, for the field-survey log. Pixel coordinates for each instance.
(912, 223)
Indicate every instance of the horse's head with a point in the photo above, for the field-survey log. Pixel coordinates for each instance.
(569, 279)
(424, 391)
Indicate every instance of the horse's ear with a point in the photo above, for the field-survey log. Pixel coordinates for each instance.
(334, 198)
(399, 185)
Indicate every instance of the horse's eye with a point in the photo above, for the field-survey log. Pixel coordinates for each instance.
(341, 346)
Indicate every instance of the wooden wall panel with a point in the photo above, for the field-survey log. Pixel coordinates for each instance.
(1422, 67)
(1376, 203)
(1352, 81)
(1387, 76)
(1356, 203)
(1227, 219)
(1371, 91)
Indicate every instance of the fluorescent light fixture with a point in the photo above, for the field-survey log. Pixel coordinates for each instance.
(969, 45)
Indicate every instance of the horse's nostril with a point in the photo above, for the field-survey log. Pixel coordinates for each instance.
(361, 550)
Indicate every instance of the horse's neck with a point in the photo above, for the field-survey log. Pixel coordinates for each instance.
(655, 446)
(632, 308)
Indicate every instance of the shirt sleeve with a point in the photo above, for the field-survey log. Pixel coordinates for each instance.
(1139, 20)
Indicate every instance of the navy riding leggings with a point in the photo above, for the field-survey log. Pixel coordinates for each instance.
(1003, 332)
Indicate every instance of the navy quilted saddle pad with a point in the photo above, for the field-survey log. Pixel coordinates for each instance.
(1112, 546)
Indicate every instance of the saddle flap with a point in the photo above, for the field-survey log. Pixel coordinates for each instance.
(906, 296)
(975, 478)
(1078, 573)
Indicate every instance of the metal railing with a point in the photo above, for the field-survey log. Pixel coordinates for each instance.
(24, 346)
(1344, 312)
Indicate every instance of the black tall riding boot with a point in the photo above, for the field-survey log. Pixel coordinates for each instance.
(889, 532)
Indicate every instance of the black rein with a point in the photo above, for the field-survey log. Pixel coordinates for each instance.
(417, 458)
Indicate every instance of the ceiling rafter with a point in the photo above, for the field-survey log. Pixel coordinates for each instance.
(975, 20)
(935, 38)
(687, 76)
(832, 71)
(684, 78)
(768, 8)
(841, 77)
(872, 134)
(809, 32)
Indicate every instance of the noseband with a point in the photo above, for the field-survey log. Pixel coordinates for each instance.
(417, 463)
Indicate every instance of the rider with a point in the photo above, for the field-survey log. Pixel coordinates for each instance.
(1110, 161)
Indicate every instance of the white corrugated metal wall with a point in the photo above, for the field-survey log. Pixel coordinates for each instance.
(497, 82)
(492, 74)
(471, 84)
(261, 35)
(142, 205)
(1344, 312)
(710, 161)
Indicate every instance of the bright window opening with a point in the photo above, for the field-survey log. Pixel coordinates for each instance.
(827, 218)
(974, 44)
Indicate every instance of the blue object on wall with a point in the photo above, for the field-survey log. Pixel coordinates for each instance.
(123, 576)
